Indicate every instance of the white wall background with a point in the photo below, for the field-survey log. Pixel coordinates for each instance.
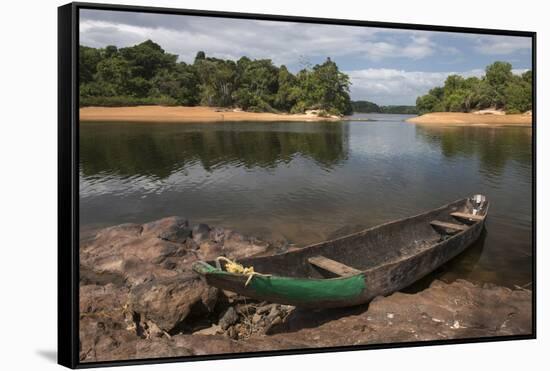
(28, 181)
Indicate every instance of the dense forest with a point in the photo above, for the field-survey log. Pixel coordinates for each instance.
(145, 74)
(498, 88)
(364, 106)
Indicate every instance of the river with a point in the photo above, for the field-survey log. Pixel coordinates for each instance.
(306, 182)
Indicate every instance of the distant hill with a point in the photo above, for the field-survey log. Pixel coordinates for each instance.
(364, 106)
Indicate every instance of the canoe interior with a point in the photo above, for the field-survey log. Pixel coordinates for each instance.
(372, 248)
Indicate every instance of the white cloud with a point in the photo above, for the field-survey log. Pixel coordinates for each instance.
(501, 45)
(284, 42)
(391, 86)
(416, 48)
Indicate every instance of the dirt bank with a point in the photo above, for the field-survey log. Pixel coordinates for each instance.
(471, 119)
(187, 115)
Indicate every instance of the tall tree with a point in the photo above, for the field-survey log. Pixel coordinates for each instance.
(147, 58)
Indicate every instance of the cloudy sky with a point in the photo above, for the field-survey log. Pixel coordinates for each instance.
(386, 66)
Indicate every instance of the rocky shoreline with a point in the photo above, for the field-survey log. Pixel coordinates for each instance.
(140, 299)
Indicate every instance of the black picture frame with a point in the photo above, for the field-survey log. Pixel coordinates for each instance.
(68, 179)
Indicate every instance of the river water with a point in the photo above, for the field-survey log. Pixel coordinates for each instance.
(306, 182)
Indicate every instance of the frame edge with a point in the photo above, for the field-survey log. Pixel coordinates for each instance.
(67, 299)
(68, 263)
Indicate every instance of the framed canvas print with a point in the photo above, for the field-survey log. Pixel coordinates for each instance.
(236, 185)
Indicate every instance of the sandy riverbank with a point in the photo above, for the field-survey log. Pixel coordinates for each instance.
(187, 115)
(467, 119)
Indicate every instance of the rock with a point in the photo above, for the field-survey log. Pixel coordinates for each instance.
(109, 331)
(179, 232)
(151, 330)
(212, 330)
(229, 317)
(276, 321)
(132, 254)
(232, 333)
(102, 339)
(246, 309)
(215, 344)
(201, 232)
(265, 308)
(273, 313)
(217, 234)
(209, 297)
(107, 301)
(168, 302)
(256, 318)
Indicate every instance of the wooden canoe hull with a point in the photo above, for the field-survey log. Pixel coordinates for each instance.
(390, 257)
(396, 276)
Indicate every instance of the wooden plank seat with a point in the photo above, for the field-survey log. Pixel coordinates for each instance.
(468, 217)
(449, 228)
(333, 266)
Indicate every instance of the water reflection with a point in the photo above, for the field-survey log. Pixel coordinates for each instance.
(161, 149)
(494, 146)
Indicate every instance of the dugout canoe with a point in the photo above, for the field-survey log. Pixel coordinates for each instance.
(354, 269)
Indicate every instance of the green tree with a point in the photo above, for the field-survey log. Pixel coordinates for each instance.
(113, 75)
(497, 76)
(452, 84)
(288, 92)
(332, 88)
(438, 92)
(217, 81)
(200, 56)
(110, 51)
(88, 58)
(180, 83)
(147, 58)
(427, 103)
(258, 84)
(456, 101)
(323, 87)
(527, 76)
(518, 95)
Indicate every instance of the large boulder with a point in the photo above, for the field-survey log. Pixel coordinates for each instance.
(133, 254)
(109, 330)
(167, 302)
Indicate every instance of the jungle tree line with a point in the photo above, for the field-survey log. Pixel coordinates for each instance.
(146, 74)
(365, 106)
(498, 88)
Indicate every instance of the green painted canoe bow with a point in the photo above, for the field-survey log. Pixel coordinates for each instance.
(306, 292)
